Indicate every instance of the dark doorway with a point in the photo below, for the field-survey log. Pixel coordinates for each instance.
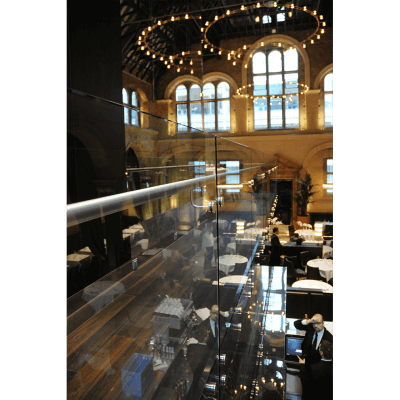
(284, 190)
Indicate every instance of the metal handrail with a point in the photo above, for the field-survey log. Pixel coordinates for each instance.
(84, 211)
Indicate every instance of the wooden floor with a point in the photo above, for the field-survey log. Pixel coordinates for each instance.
(100, 343)
(103, 335)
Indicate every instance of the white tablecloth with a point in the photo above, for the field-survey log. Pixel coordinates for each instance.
(308, 234)
(325, 267)
(311, 284)
(252, 232)
(228, 261)
(102, 293)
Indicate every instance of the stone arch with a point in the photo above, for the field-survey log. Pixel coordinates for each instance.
(321, 75)
(314, 151)
(273, 39)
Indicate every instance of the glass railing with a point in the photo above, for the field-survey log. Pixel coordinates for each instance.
(162, 232)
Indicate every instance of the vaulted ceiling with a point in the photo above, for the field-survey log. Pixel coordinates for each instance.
(184, 35)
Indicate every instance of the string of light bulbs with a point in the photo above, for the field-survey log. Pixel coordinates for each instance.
(234, 55)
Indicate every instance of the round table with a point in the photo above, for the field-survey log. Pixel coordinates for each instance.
(228, 261)
(325, 267)
(311, 284)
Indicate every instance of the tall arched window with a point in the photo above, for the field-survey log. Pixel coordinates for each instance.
(207, 110)
(131, 117)
(275, 76)
(328, 99)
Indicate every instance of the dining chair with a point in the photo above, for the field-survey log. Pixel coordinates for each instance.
(239, 268)
(313, 273)
(293, 259)
(304, 257)
(293, 274)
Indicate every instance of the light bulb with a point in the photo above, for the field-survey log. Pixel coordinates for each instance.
(321, 17)
(172, 18)
(290, 14)
(228, 12)
(304, 45)
(234, 63)
(143, 33)
(178, 69)
(168, 66)
(159, 22)
(212, 49)
(322, 30)
(186, 16)
(149, 28)
(191, 71)
(142, 48)
(242, 7)
(257, 19)
(245, 65)
(216, 17)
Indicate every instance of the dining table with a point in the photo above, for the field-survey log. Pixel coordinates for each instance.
(227, 262)
(325, 267)
(307, 234)
(312, 284)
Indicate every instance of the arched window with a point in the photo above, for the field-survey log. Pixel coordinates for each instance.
(131, 117)
(205, 109)
(275, 76)
(328, 99)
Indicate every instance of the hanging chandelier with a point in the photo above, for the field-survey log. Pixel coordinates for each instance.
(189, 59)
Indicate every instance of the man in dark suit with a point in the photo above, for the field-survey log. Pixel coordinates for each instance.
(315, 333)
(317, 379)
(276, 248)
(208, 330)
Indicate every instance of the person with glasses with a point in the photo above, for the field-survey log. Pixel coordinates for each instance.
(315, 333)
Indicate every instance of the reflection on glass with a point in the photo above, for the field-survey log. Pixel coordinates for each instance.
(209, 116)
(275, 61)
(259, 63)
(273, 322)
(276, 112)
(291, 60)
(259, 86)
(209, 91)
(195, 115)
(182, 118)
(274, 302)
(224, 115)
(275, 84)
